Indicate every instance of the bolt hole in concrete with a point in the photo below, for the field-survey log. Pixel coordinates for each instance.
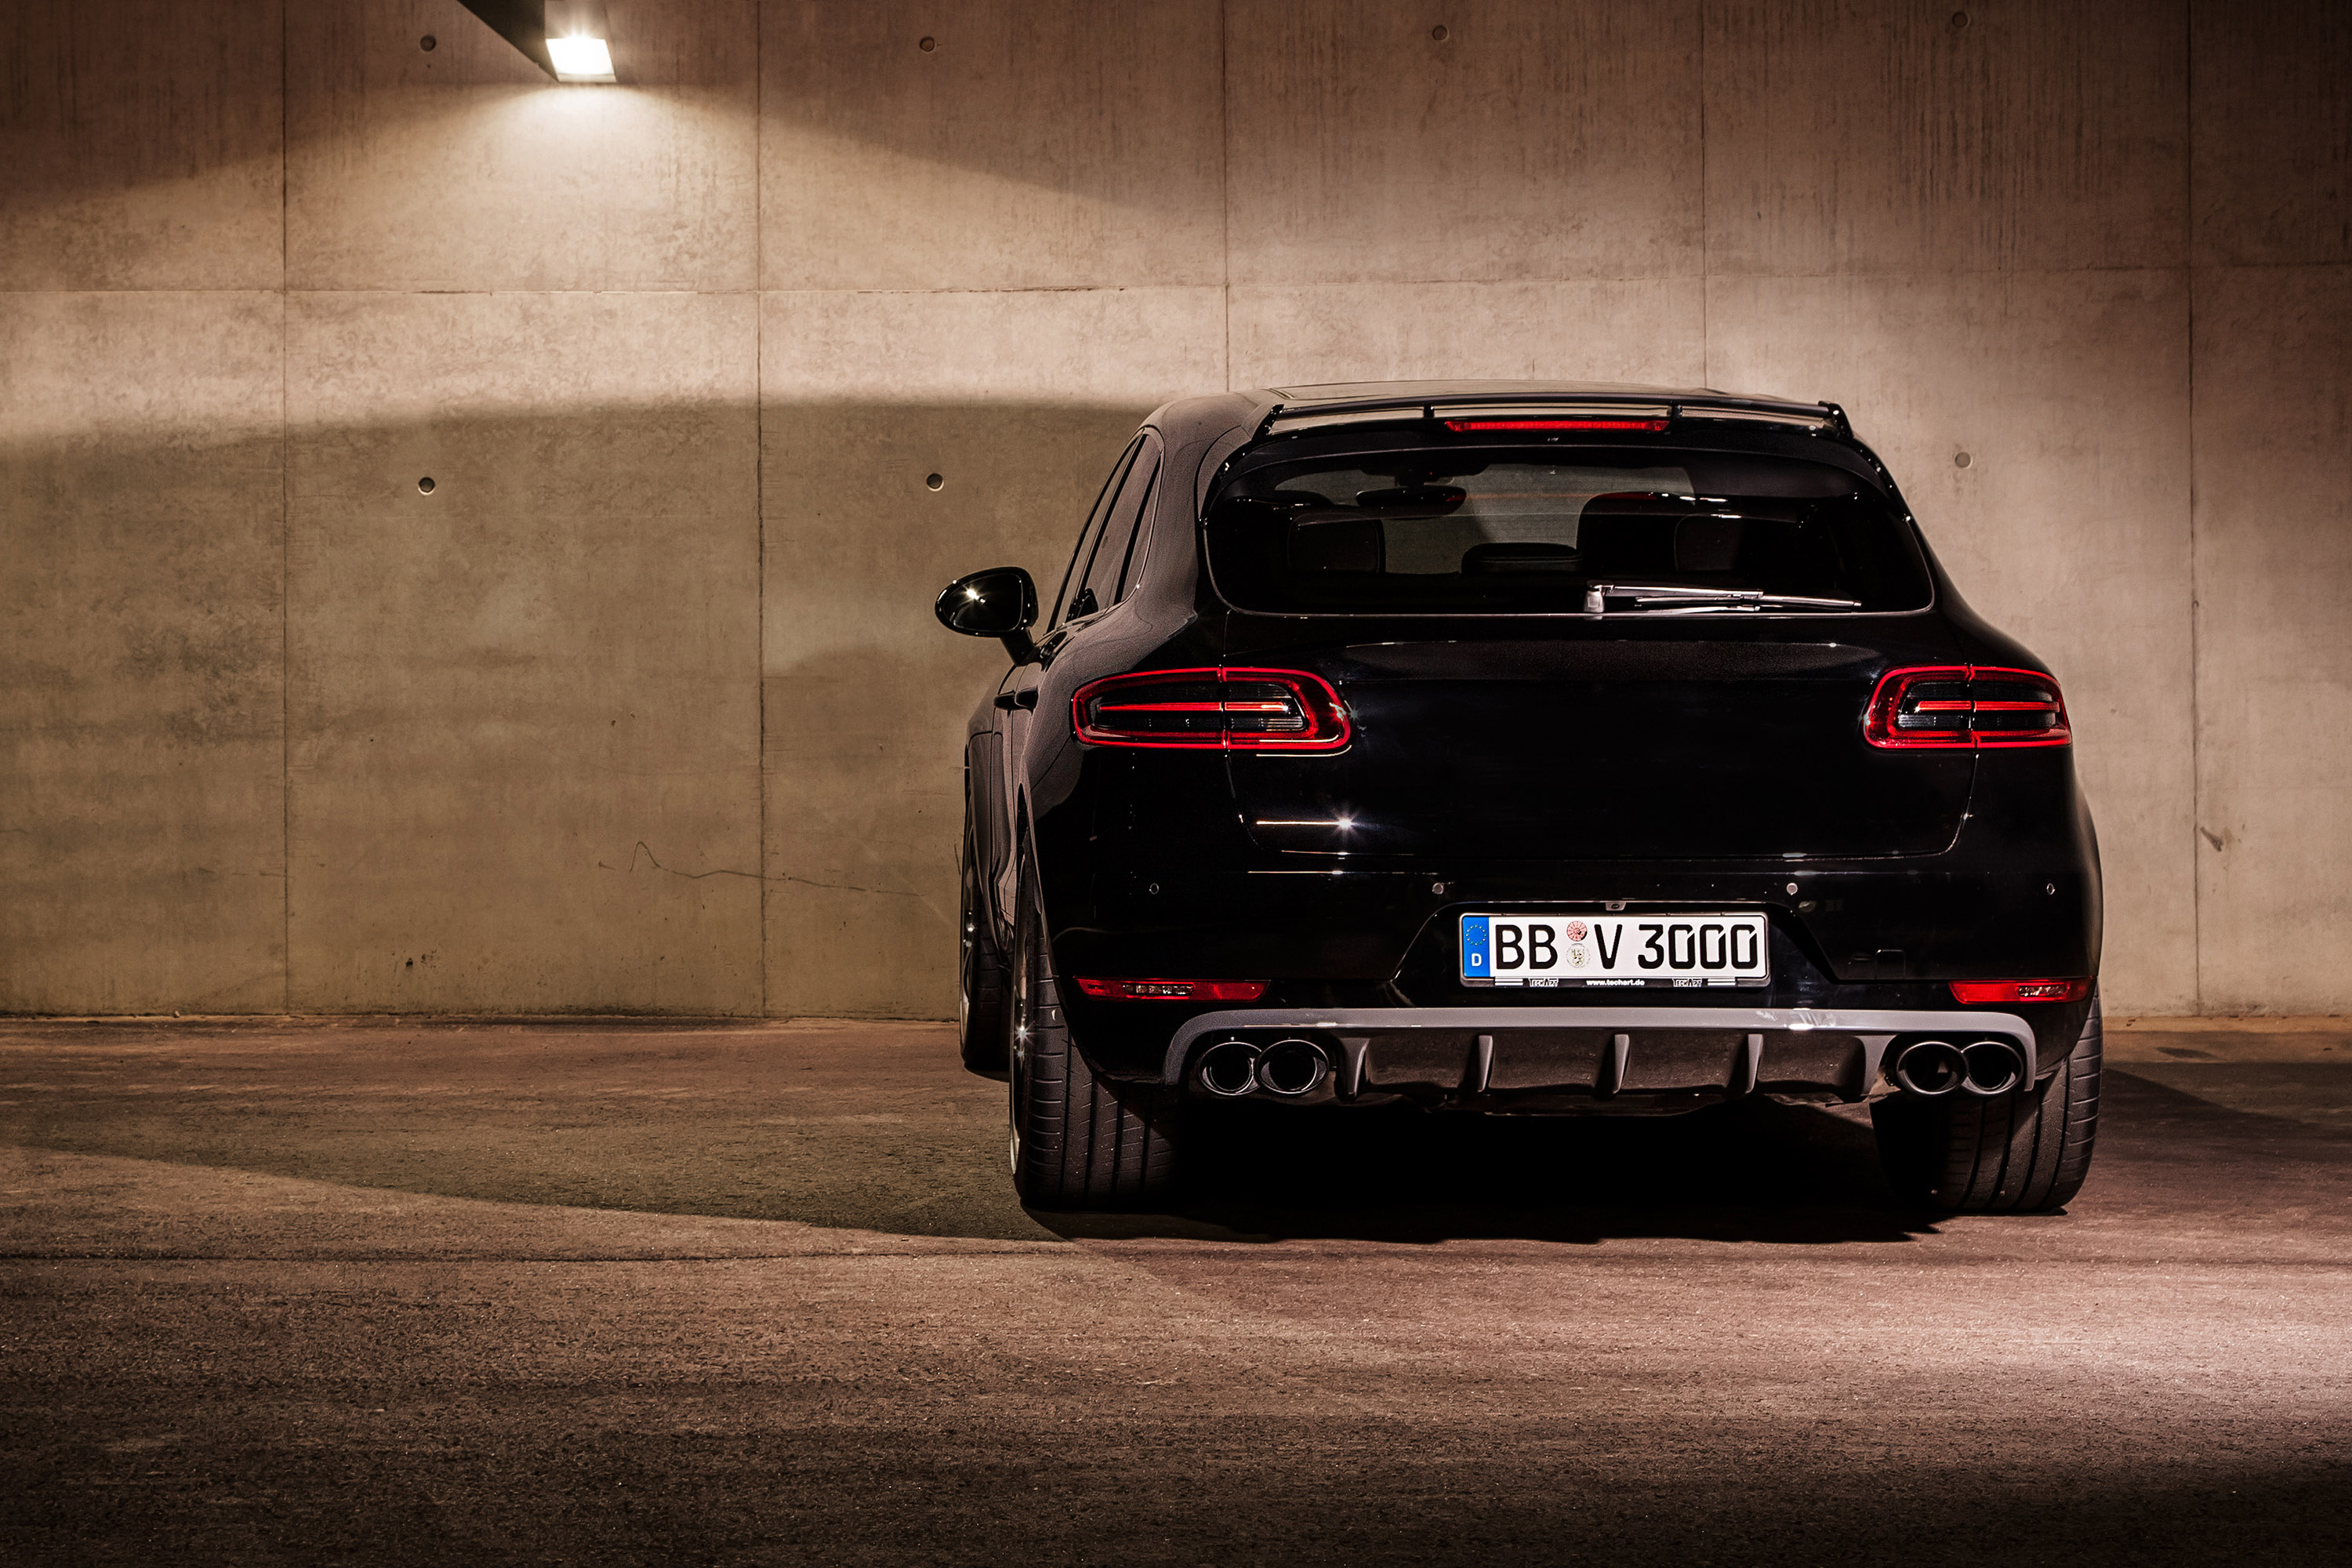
(425, 485)
(428, 43)
(934, 480)
(1439, 33)
(1959, 20)
(1962, 460)
(927, 45)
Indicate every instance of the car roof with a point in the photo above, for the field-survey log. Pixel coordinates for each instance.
(1535, 391)
(1292, 407)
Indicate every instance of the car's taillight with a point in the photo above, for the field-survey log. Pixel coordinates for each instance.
(1174, 990)
(1218, 709)
(1978, 992)
(1467, 425)
(1966, 705)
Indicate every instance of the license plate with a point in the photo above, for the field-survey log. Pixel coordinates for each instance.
(1685, 951)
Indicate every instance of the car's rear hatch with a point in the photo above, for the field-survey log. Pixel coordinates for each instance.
(1499, 742)
(1552, 642)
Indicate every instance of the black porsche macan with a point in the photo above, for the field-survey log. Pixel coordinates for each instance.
(1517, 748)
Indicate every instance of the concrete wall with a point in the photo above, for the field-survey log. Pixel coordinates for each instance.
(642, 708)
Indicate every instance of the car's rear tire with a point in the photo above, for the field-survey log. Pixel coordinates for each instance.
(2025, 1152)
(981, 988)
(1077, 1140)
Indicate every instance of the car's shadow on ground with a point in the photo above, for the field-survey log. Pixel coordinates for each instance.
(1754, 1170)
(877, 1129)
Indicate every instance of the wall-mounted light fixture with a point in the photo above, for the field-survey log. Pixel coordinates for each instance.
(578, 40)
(570, 40)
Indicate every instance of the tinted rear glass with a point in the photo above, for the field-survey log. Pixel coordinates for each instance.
(1452, 531)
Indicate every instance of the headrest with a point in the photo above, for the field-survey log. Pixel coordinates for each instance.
(1633, 546)
(1708, 543)
(1337, 539)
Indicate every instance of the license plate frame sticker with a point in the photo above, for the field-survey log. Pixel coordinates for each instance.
(1726, 950)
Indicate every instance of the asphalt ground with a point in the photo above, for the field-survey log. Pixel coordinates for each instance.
(594, 1292)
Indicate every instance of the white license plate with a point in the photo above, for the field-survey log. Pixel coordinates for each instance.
(1688, 951)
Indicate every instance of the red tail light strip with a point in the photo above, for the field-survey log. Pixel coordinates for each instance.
(1964, 707)
(1159, 707)
(1211, 710)
(1174, 990)
(1980, 992)
(1469, 425)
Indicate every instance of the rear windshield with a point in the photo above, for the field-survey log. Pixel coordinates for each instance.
(1449, 532)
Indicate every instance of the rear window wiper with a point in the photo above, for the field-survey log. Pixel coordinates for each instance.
(1664, 599)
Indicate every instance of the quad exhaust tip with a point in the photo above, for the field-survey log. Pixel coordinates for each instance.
(1287, 1069)
(1230, 1068)
(1930, 1067)
(1292, 1068)
(1992, 1068)
(1933, 1069)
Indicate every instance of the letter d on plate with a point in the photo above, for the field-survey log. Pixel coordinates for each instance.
(1474, 964)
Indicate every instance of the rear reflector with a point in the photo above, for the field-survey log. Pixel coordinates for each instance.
(1964, 706)
(1212, 710)
(1174, 990)
(1978, 992)
(1467, 425)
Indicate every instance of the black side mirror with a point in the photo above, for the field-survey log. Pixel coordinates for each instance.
(1000, 603)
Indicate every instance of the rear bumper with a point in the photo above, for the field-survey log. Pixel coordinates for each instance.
(1629, 1060)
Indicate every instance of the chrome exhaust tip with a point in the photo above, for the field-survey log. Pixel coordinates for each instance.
(1990, 1067)
(1229, 1068)
(1930, 1067)
(1292, 1068)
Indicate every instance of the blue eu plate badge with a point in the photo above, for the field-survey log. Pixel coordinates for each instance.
(1475, 965)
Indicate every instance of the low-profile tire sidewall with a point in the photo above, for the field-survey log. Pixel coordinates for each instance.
(1037, 1064)
(2026, 1152)
(1077, 1140)
(1015, 1025)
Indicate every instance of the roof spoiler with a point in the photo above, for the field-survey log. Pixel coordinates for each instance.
(1697, 405)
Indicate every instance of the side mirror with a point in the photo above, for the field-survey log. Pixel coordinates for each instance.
(1000, 603)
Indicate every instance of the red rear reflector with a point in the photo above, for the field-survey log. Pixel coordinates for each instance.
(1466, 425)
(1174, 990)
(1975, 992)
(1211, 710)
(1965, 705)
